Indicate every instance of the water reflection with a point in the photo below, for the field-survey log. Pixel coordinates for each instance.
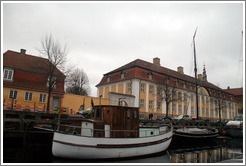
(221, 150)
(224, 150)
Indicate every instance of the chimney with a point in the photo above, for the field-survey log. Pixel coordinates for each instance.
(180, 69)
(156, 61)
(22, 51)
(200, 77)
(228, 87)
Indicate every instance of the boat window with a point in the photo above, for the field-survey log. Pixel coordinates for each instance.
(128, 114)
(135, 114)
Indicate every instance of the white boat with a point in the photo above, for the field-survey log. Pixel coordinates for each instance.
(107, 137)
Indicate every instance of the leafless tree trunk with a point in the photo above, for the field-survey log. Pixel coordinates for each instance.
(57, 58)
(166, 93)
(220, 105)
(78, 83)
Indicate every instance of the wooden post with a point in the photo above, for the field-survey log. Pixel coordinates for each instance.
(12, 104)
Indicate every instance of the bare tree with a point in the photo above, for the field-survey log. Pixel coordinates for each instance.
(78, 83)
(57, 58)
(220, 104)
(166, 93)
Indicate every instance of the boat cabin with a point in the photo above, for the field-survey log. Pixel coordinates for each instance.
(108, 121)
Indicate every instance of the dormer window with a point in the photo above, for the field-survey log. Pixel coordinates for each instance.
(167, 80)
(108, 78)
(8, 74)
(190, 86)
(150, 75)
(184, 85)
(122, 74)
(176, 83)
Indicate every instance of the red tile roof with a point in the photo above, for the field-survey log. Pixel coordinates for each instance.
(28, 63)
(235, 91)
(157, 69)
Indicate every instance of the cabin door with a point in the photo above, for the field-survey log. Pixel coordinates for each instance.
(107, 130)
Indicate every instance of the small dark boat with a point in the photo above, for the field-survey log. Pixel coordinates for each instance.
(192, 134)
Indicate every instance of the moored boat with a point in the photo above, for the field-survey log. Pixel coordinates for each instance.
(234, 128)
(112, 132)
(195, 134)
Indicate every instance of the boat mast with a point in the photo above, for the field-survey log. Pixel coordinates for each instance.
(196, 90)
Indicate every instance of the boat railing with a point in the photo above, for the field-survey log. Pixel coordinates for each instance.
(91, 132)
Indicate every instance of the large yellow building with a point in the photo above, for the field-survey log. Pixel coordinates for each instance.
(143, 80)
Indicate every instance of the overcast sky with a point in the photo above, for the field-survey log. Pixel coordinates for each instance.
(104, 36)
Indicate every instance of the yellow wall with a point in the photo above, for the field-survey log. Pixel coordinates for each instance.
(74, 102)
(120, 88)
(21, 97)
(113, 88)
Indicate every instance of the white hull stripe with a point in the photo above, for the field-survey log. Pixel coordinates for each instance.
(116, 145)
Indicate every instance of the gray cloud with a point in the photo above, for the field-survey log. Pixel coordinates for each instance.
(104, 36)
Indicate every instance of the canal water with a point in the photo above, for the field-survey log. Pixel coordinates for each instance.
(217, 151)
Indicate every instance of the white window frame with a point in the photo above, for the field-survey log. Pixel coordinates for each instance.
(42, 98)
(28, 96)
(150, 76)
(180, 109)
(7, 76)
(141, 103)
(129, 87)
(15, 93)
(151, 104)
(142, 88)
(151, 88)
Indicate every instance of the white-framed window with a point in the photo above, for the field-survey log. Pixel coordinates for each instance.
(192, 110)
(184, 85)
(142, 103)
(150, 76)
(129, 87)
(122, 75)
(151, 89)
(176, 82)
(108, 79)
(179, 108)
(8, 74)
(150, 104)
(158, 105)
(13, 94)
(174, 107)
(142, 87)
(28, 96)
(42, 98)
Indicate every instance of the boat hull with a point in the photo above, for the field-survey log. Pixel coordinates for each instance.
(80, 147)
(181, 137)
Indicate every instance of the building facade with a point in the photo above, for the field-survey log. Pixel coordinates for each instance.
(150, 84)
(25, 82)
